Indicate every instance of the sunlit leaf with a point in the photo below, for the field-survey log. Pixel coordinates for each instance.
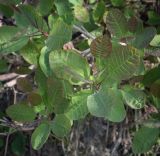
(30, 53)
(40, 135)
(60, 34)
(108, 104)
(70, 66)
(81, 13)
(78, 107)
(133, 97)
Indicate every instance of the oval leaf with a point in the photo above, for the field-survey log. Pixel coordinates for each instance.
(107, 104)
(21, 112)
(144, 139)
(40, 135)
(61, 126)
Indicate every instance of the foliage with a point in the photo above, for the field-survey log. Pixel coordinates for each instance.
(66, 86)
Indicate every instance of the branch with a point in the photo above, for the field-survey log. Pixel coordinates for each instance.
(84, 32)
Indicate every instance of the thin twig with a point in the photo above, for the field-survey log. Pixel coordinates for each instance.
(7, 140)
(84, 32)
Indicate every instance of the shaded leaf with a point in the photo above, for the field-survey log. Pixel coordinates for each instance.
(151, 76)
(144, 139)
(61, 126)
(27, 16)
(6, 10)
(18, 144)
(24, 85)
(143, 39)
(135, 25)
(45, 6)
(40, 135)
(99, 11)
(11, 39)
(117, 3)
(153, 18)
(21, 112)
(34, 98)
(155, 88)
(3, 66)
(57, 92)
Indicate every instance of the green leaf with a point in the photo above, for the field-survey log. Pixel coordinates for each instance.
(11, 39)
(81, 13)
(144, 139)
(77, 2)
(45, 6)
(10, 2)
(3, 66)
(44, 61)
(61, 125)
(135, 25)
(143, 39)
(133, 97)
(108, 104)
(64, 10)
(18, 144)
(30, 53)
(151, 76)
(6, 10)
(27, 16)
(63, 7)
(156, 41)
(23, 84)
(117, 23)
(40, 135)
(34, 99)
(101, 46)
(78, 107)
(21, 112)
(153, 18)
(70, 66)
(60, 34)
(155, 88)
(117, 3)
(99, 11)
(41, 81)
(122, 63)
(57, 92)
